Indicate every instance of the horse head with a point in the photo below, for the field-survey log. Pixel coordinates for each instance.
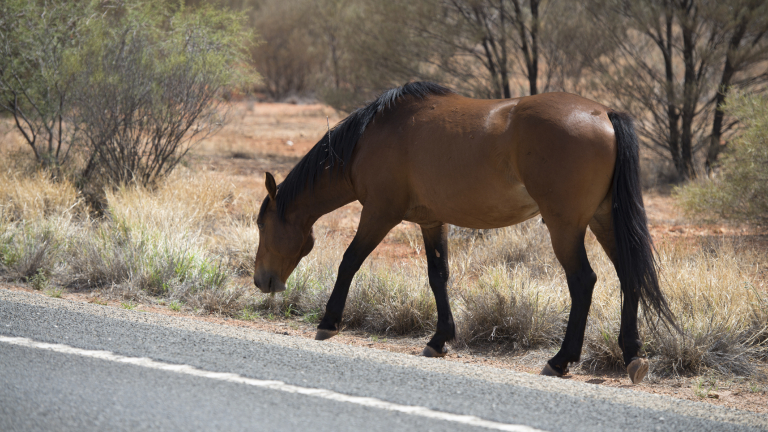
(283, 242)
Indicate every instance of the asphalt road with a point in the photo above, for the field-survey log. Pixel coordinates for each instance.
(113, 369)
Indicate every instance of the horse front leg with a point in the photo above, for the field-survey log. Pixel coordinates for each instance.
(370, 232)
(436, 248)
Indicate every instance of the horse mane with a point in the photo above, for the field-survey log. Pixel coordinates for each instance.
(336, 153)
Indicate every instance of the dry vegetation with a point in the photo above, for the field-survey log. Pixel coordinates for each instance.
(190, 244)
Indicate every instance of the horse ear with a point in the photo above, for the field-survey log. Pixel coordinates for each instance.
(269, 182)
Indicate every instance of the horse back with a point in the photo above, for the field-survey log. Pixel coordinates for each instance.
(483, 163)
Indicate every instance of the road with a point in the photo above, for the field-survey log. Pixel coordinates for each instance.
(67, 365)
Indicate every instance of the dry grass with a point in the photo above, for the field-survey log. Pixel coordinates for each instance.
(718, 307)
(192, 242)
(35, 196)
(33, 249)
(711, 290)
(508, 306)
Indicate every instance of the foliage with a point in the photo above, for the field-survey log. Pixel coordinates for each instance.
(36, 82)
(151, 82)
(741, 192)
(290, 55)
(672, 63)
(129, 84)
(331, 48)
(669, 63)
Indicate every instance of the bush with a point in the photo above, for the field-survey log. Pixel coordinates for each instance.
(150, 85)
(36, 81)
(716, 303)
(30, 251)
(129, 85)
(741, 191)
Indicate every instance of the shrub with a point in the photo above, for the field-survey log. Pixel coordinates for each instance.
(716, 304)
(741, 191)
(128, 84)
(151, 81)
(30, 251)
(391, 298)
(36, 79)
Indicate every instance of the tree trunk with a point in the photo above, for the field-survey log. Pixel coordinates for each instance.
(729, 70)
(491, 65)
(503, 60)
(335, 61)
(690, 93)
(533, 70)
(673, 117)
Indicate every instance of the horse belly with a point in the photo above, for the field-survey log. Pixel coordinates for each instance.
(473, 199)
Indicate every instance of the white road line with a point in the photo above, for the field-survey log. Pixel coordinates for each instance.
(273, 385)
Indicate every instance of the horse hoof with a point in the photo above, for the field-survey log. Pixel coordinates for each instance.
(637, 369)
(550, 371)
(431, 352)
(323, 334)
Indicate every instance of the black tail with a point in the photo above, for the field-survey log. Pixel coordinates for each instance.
(635, 263)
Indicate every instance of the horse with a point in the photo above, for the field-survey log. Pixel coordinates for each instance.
(425, 154)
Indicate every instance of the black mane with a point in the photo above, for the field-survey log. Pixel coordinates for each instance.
(344, 136)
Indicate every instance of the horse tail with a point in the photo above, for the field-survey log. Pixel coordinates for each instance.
(635, 263)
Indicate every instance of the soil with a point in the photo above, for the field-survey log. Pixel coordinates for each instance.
(272, 137)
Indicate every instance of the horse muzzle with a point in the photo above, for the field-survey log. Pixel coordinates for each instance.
(268, 283)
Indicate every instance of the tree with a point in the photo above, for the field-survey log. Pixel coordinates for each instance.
(666, 57)
(288, 57)
(151, 80)
(745, 25)
(484, 48)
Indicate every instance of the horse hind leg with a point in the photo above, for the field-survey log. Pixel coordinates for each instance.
(568, 244)
(436, 248)
(629, 336)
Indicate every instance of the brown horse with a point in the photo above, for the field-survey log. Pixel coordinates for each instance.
(424, 154)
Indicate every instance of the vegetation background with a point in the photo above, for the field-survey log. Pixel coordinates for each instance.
(109, 109)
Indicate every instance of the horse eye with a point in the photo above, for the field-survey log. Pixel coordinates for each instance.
(260, 225)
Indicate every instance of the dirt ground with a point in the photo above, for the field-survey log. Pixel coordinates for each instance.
(272, 137)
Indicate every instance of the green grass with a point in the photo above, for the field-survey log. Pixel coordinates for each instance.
(40, 280)
(248, 314)
(55, 293)
(705, 386)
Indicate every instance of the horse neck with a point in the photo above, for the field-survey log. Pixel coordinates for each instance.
(330, 192)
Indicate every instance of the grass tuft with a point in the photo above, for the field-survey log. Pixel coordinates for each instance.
(508, 307)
